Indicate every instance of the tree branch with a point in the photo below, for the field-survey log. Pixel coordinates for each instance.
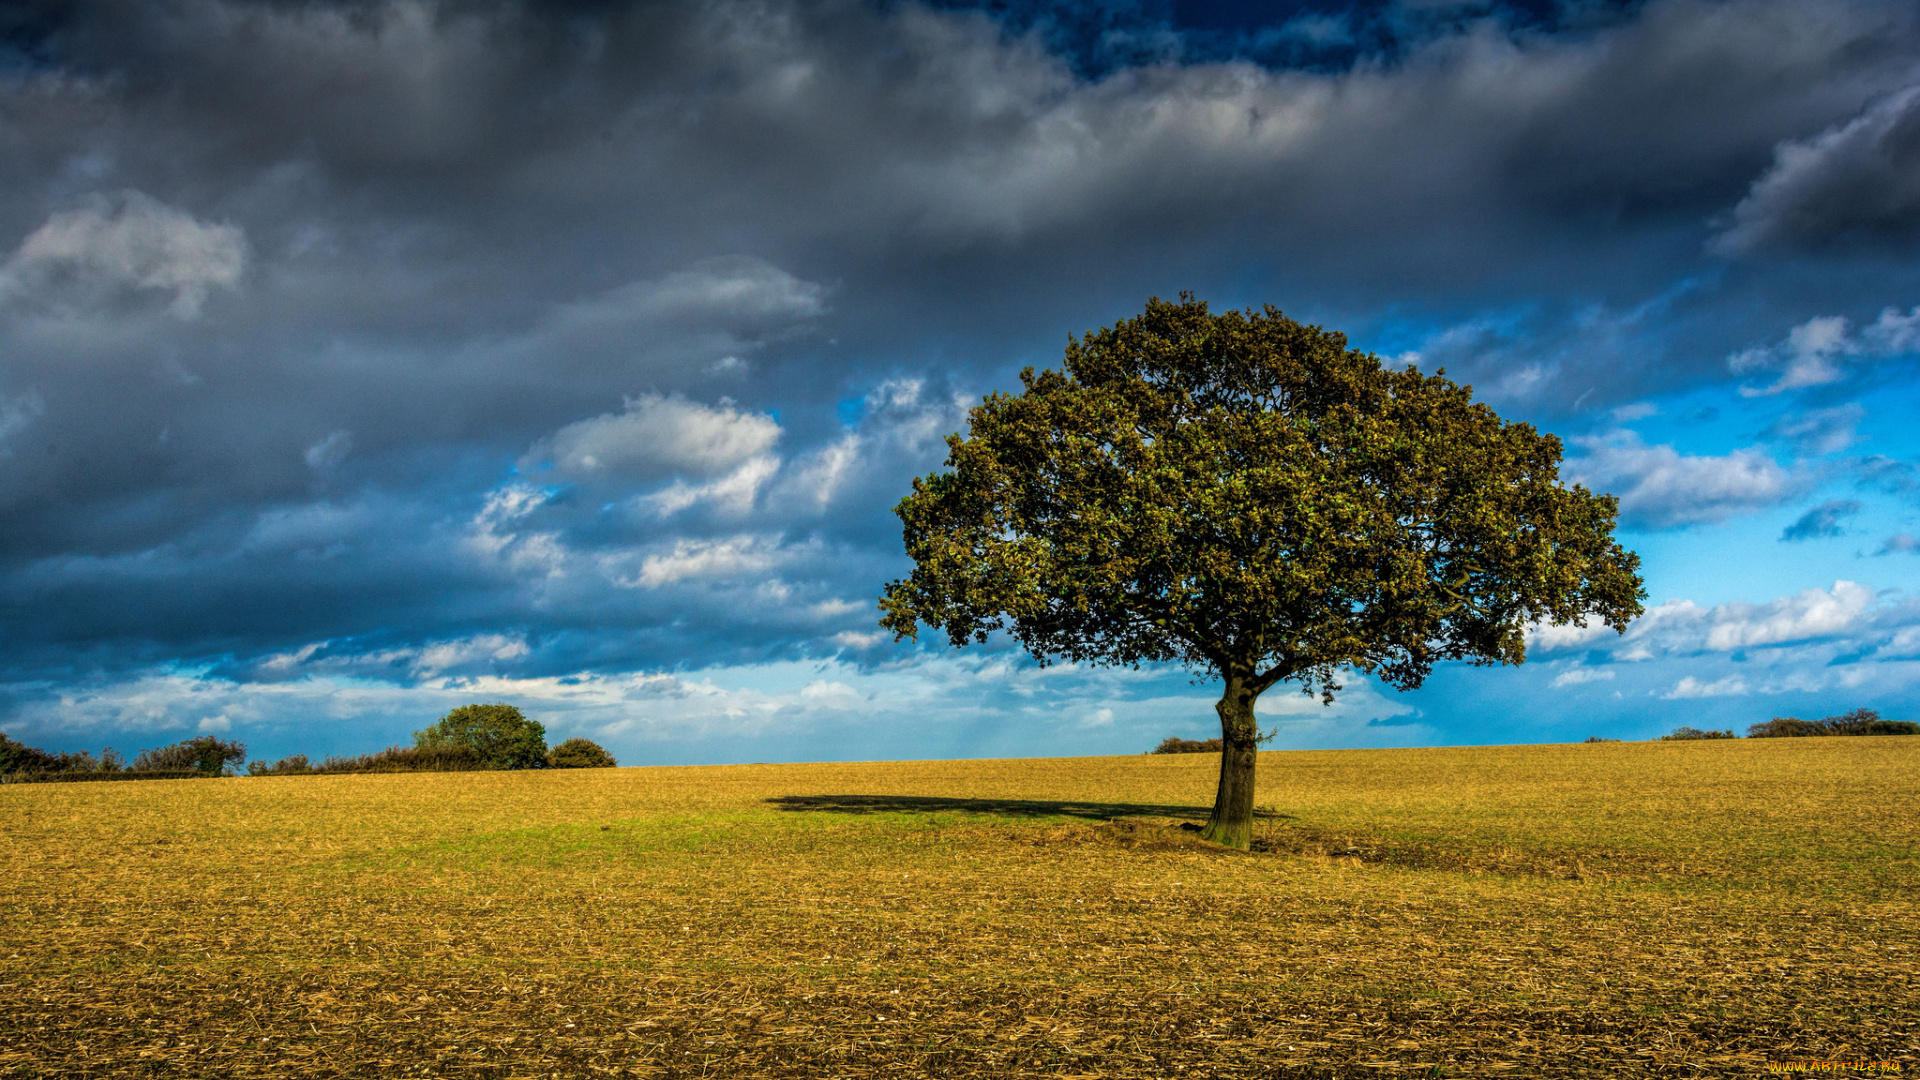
(1283, 670)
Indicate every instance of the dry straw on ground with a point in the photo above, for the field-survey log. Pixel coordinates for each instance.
(1683, 909)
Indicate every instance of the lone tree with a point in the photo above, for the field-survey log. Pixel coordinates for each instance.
(497, 734)
(1245, 495)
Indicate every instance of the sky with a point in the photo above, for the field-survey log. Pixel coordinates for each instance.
(360, 360)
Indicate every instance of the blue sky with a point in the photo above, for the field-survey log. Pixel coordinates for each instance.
(358, 361)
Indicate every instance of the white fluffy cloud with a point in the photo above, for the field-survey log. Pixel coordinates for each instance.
(1681, 627)
(732, 557)
(1811, 613)
(1690, 687)
(128, 241)
(1661, 488)
(1579, 675)
(1566, 636)
(1818, 351)
(656, 437)
(732, 495)
(443, 656)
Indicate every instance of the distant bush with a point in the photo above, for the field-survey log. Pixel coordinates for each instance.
(393, 759)
(1173, 744)
(580, 754)
(205, 755)
(1596, 738)
(498, 734)
(1857, 722)
(408, 759)
(1686, 734)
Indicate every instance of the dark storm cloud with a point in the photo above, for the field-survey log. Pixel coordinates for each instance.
(542, 339)
(1857, 183)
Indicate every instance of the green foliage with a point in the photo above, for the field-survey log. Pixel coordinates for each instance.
(108, 763)
(1687, 734)
(1857, 722)
(1599, 739)
(1247, 496)
(1173, 744)
(497, 735)
(205, 755)
(19, 759)
(580, 754)
(444, 758)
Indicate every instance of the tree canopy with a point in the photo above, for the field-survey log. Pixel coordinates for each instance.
(1247, 496)
(205, 754)
(498, 734)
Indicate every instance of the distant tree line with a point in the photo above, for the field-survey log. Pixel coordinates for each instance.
(203, 756)
(1857, 722)
(471, 738)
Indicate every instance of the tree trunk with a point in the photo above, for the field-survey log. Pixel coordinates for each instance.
(1232, 820)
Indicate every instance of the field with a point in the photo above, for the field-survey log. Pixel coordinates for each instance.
(1669, 909)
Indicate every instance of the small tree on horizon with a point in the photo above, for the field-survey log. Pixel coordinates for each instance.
(498, 734)
(1245, 495)
(578, 753)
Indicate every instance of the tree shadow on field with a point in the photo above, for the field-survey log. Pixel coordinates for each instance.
(893, 804)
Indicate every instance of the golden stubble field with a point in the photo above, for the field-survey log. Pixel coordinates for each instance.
(1684, 909)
